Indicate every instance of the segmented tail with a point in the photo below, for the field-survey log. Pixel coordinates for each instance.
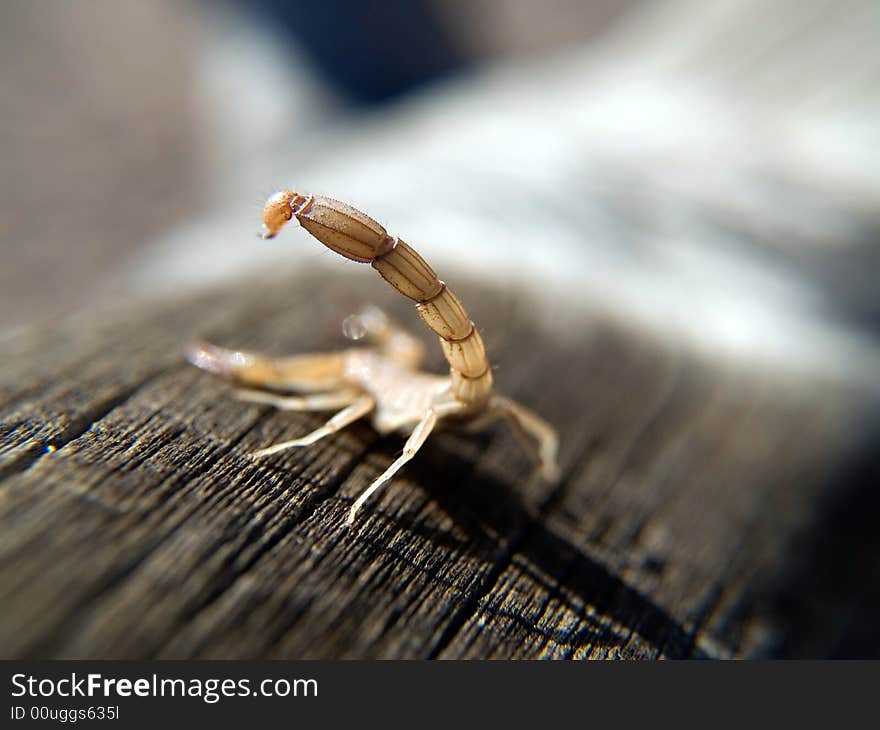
(355, 235)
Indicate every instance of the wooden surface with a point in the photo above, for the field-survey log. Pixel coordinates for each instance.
(699, 514)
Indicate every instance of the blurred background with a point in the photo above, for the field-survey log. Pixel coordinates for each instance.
(707, 171)
(728, 152)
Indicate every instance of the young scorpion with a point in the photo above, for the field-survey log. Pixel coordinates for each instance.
(383, 380)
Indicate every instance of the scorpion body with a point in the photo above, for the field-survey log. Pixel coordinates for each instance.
(382, 380)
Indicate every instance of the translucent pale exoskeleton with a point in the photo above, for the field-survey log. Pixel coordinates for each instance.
(381, 380)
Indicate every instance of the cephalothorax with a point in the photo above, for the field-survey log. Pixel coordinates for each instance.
(382, 380)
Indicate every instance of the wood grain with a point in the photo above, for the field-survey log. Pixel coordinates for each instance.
(134, 524)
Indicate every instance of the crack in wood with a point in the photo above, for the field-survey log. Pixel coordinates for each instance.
(75, 428)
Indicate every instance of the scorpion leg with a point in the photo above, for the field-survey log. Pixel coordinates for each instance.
(537, 436)
(311, 402)
(415, 441)
(361, 407)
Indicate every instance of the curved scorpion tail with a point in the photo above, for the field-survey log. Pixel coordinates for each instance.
(355, 235)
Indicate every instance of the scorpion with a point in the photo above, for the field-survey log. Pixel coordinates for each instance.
(382, 380)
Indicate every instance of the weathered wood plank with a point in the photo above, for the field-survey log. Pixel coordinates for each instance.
(144, 529)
